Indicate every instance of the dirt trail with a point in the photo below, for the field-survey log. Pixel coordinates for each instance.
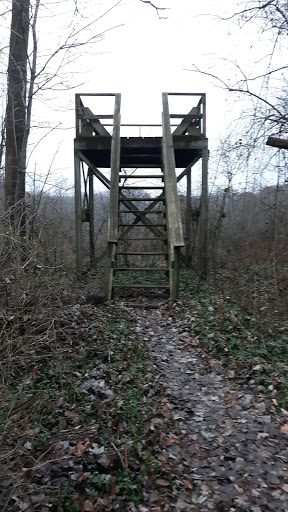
(225, 451)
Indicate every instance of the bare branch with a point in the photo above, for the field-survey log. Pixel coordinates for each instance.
(156, 7)
(246, 91)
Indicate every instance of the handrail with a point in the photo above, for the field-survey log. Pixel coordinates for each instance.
(197, 115)
(175, 230)
(115, 168)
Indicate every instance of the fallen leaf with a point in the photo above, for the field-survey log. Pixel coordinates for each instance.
(187, 484)
(84, 476)
(284, 428)
(173, 439)
(88, 506)
(162, 482)
(81, 448)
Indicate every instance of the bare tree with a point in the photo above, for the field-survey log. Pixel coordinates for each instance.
(15, 161)
(27, 77)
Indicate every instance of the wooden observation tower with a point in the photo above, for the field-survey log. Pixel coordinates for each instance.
(145, 233)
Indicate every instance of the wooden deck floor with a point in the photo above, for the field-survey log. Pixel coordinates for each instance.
(140, 151)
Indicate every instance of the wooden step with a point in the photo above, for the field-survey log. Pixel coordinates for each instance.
(161, 253)
(143, 238)
(156, 286)
(162, 199)
(140, 165)
(142, 212)
(142, 225)
(142, 176)
(140, 269)
(143, 187)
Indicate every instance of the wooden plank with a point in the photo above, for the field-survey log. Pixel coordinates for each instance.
(185, 93)
(204, 114)
(141, 199)
(95, 117)
(143, 253)
(150, 148)
(189, 144)
(183, 173)
(137, 225)
(144, 285)
(188, 216)
(108, 279)
(203, 221)
(143, 187)
(96, 94)
(96, 171)
(275, 142)
(185, 123)
(95, 123)
(91, 217)
(171, 193)
(175, 274)
(141, 238)
(190, 116)
(142, 212)
(139, 269)
(141, 176)
(78, 212)
(115, 169)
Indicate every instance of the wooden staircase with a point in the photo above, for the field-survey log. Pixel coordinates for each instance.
(141, 251)
(144, 222)
(145, 229)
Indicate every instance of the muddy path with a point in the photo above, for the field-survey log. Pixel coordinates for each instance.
(225, 451)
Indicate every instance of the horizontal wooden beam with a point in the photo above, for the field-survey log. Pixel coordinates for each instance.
(186, 93)
(275, 142)
(95, 116)
(186, 116)
(79, 95)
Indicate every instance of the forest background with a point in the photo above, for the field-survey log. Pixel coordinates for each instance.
(233, 51)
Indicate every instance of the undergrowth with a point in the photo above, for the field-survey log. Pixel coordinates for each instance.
(240, 324)
(75, 400)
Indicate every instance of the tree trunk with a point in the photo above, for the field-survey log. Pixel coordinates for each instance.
(16, 114)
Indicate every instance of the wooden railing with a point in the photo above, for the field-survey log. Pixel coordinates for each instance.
(173, 213)
(115, 168)
(114, 198)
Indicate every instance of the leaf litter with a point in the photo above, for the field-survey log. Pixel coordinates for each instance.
(120, 428)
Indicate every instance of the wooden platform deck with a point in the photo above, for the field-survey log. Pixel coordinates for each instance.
(154, 244)
(140, 151)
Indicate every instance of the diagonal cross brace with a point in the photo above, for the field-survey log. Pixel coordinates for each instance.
(106, 182)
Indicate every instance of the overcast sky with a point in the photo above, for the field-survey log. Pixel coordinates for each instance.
(142, 58)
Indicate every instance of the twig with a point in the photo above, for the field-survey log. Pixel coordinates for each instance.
(126, 455)
(119, 455)
(156, 8)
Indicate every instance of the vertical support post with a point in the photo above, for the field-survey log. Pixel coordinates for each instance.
(108, 279)
(115, 167)
(77, 114)
(203, 235)
(174, 294)
(188, 216)
(78, 212)
(204, 115)
(174, 222)
(91, 217)
(114, 198)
